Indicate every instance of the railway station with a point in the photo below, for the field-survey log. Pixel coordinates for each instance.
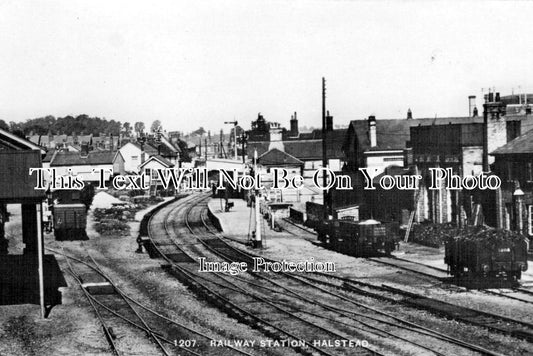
(286, 178)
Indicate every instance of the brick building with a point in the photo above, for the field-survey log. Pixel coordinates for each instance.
(514, 201)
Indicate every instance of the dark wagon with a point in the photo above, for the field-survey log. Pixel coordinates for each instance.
(365, 238)
(70, 222)
(478, 258)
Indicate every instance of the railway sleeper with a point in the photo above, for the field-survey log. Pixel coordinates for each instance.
(466, 315)
(242, 317)
(99, 288)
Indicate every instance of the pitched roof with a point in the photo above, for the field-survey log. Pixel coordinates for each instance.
(171, 147)
(162, 160)
(260, 146)
(392, 134)
(276, 157)
(520, 145)
(150, 150)
(49, 155)
(306, 149)
(12, 141)
(75, 159)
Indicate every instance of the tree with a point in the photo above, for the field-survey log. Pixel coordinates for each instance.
(13, 126)
(139, 128)
(126, 128)
(87, 194)
(155, 126)
(199, 132)
(4, 125)
(184, 155)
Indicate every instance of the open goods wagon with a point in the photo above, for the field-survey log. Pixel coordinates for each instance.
(70, 222)
(486, 257)
(365, 238)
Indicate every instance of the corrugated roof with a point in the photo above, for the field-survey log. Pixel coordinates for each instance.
(520, 145)
(75, 159)
(276, 157)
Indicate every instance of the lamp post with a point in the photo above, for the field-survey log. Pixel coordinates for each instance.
(518, 196)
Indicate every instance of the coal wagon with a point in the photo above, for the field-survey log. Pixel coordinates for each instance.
(70, 222)
(481, 255)
(365, 238)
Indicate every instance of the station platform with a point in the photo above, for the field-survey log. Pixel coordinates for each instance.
(238, 223)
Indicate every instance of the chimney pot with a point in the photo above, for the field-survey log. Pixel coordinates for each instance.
(84, 152)
(372, 131)
(294, 125)
(471, 105)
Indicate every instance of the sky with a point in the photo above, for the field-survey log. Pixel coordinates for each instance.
(201, 63)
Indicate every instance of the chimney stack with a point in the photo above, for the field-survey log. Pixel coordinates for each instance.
(329, 122)
(409, 114)
(294, 125)
(84, 152)
(372, 131)
(471, 105)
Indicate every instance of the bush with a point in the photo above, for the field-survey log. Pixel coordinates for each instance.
(109, 227)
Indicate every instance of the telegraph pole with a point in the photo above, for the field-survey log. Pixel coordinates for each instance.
(243, 138)
(324, 155)
(258, 243)
(234, 122)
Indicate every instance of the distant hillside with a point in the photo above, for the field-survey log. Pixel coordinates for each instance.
(81, 124)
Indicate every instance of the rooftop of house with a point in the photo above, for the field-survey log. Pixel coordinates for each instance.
(521, 145)
(276, 157)
(392, 134)
(76, 159)
(305, 149)
(165, 162)
(11, 141)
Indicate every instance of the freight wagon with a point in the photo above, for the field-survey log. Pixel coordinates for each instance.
(478, 258)
(70, 222)
(365, 238)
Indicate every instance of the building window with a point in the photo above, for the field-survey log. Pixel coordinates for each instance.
(134, 158)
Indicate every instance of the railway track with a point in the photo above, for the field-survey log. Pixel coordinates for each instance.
(497, 323)
(337, 309)
(516, 294)
(116, 311)
(280, 322)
